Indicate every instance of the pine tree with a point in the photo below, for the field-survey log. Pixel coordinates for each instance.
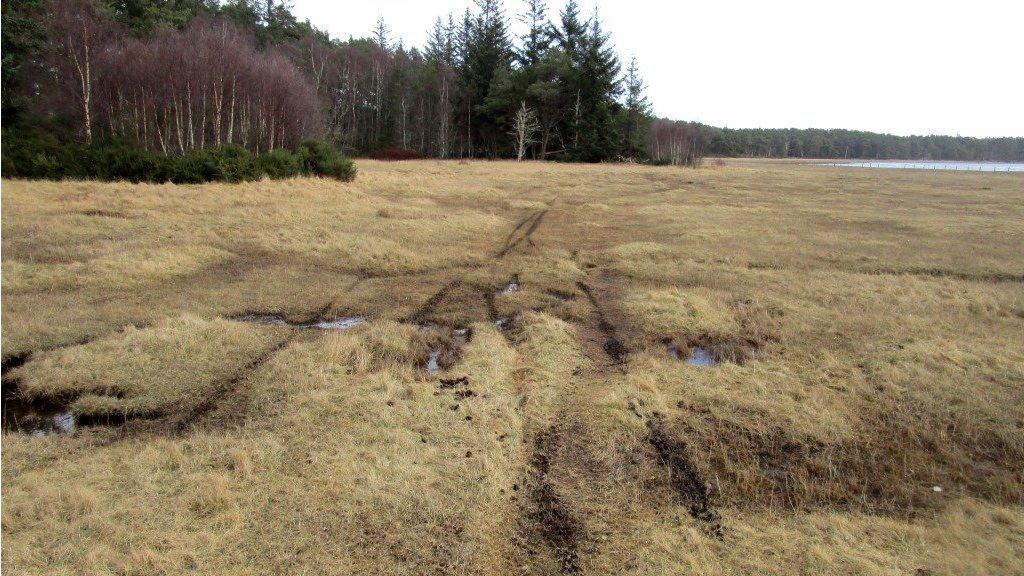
(572, 34)
(598, 97)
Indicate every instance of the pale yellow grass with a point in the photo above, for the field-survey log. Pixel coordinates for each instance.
(870, 323)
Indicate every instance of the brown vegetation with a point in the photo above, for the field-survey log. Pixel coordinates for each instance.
(864, 417)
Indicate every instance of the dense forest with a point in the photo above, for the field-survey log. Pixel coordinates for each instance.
(815, 143)
(174, 76)
(209, 80)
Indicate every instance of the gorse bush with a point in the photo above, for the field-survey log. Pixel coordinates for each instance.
(46, 157)
(279, 164)
(319, 159)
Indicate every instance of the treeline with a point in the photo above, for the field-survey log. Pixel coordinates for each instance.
(815, 143)
(176, 76)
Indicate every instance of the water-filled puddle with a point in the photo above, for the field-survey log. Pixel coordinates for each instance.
(35, 418)
(701, 357)
(560, 297)
(444, 345)
(433, 367)
(339, 324)
(343, 323)
(511, 287)
(698, 356)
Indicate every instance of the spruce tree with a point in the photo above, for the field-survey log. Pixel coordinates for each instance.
(537, 39)
(637, 112)
(487, 58)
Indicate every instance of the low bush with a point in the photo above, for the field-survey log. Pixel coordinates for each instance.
(320, 159)
(43, 156)
(278, 164)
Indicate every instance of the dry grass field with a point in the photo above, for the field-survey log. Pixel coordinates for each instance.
(757, 368)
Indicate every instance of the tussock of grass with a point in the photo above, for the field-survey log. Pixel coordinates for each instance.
(171, 367)
(119, 271)
(691, 314)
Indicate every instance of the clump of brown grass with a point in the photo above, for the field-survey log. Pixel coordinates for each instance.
(172, 367)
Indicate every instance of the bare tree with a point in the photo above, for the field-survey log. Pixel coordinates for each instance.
(78, 36)
(524, 129)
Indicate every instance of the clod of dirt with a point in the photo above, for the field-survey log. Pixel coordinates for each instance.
(463, 394)
(448, 383)
(685, 480)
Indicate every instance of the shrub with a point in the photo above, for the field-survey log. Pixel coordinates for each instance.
(278, 164)
(117, 160)
(229, 163)
(320, 159)
(44, 156)
(40, 157)
(232, 163)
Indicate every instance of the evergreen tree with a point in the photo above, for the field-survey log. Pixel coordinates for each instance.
(636, 115)
(487, 56)
(537, 39)
(381, 34)
(590, 88)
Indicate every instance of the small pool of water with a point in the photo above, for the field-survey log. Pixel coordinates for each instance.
(698, 356)
(343, 323)
(932, 165)
(433, 366)
(512, 286)
(339, 324)
(35, 418)
(701, 357)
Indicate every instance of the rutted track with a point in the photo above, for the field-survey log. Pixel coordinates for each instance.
(513, 241)
(613, 347)
(558, 530)
(215, 398)
(685, 481)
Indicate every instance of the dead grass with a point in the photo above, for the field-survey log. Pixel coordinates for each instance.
(870, 323)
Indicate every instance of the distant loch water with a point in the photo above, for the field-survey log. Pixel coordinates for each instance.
(932, 165)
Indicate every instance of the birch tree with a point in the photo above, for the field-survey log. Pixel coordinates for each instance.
(524, 129)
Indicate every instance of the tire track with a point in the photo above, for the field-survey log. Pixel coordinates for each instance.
(613, 347)
(685, 481)
(535, 221)
(558, 530)
(213, 400)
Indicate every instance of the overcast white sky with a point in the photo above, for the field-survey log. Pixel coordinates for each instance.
(898, 66)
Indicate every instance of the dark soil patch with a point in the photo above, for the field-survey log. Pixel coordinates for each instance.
(613, 347)
(105, 213)
(559, 530)
(685, 481)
